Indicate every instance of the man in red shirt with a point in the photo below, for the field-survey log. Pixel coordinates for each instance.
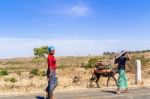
(51, 73)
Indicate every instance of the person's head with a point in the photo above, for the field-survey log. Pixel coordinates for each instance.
(51, 50)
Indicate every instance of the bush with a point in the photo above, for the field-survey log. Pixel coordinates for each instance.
(12, 80)
(34, 72)
(39, 60)
(42, 73)
(3, 73)
(92, 62)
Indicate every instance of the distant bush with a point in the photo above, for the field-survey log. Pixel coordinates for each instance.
(42, 73)
(39, 60)
(34, 72)
(12, 80)
(3, 73)
(92, 62)
(37, 72)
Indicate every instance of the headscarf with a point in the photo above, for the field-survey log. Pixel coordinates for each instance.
(50, 48)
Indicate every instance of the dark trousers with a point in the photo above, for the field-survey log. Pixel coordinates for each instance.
(52, 83)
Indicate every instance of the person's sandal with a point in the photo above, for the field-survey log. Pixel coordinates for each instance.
(126, 91)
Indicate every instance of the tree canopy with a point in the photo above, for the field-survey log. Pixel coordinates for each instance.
(41, 52)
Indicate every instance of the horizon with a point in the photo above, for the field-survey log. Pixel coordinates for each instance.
(73, 27)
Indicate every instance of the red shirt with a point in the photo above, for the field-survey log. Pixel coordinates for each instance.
(51, 62)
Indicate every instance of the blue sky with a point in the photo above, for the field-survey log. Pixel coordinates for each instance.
(74, 27)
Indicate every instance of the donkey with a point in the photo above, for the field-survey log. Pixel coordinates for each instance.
(96, 76)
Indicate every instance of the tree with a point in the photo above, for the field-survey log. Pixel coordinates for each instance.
(41, 52)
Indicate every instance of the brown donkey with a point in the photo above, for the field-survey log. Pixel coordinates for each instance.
(96, 76)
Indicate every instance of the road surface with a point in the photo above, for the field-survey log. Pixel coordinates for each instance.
(142, 93)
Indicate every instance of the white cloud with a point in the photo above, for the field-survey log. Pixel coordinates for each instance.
(78, 10)
(65, 47)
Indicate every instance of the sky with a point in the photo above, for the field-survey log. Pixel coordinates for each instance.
(73, 27)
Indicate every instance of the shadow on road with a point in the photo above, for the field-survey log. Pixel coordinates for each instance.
(40, 97)
(114, 92)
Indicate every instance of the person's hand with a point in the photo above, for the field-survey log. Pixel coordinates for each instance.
(49, 76)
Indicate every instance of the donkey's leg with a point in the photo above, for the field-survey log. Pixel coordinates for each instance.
(108, 81)
(109, 75)
(91, 82)
(92, 79)
(98, 77)
(113, 76)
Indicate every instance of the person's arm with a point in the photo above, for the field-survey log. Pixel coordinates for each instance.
(48, 70)
(128, 56)
(47, 73)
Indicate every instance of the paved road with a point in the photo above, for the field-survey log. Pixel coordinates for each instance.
(143, 93)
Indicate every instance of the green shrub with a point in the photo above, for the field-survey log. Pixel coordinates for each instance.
(42, 73)
(92, 62)
(3, 73)
(37, 72)
(34, 72)
(12, 80)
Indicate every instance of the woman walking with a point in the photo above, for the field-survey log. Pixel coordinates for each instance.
(51, 73)
(122, 80)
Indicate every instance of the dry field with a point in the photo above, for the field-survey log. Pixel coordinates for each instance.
(72, 75)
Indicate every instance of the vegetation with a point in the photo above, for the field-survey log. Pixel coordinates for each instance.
(40, 52)
(92, 62)
(3, 73)
(131, 64)
(36, 72)
(12, 80)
